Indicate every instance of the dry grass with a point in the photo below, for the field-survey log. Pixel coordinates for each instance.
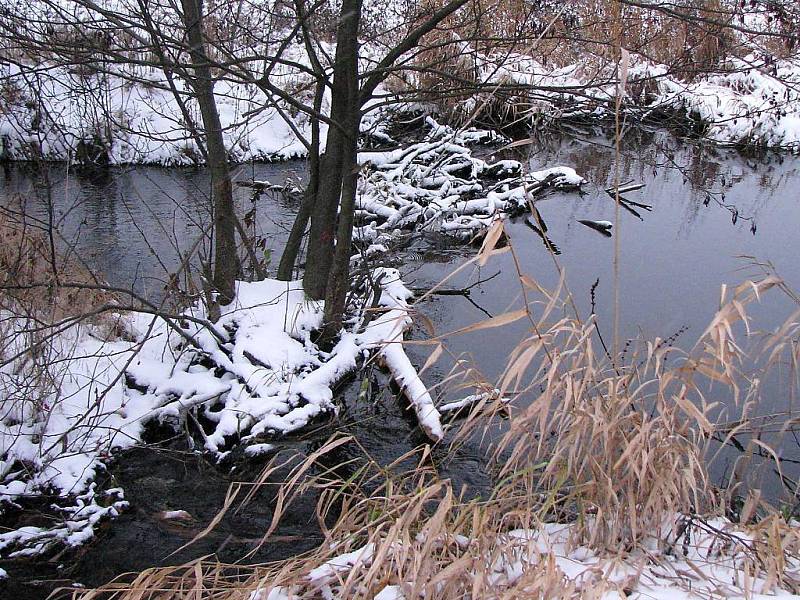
(34, 306)
(619, 449)
(36, 309)
(34, 263)
(691, 41)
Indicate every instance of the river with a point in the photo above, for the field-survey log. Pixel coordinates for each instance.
(709, 208)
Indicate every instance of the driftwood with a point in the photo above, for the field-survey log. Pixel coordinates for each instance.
(612, 191)
(255, 184)
(616, 194)
(602, 227)
(437, 185)
(405, 375)
(463, 408)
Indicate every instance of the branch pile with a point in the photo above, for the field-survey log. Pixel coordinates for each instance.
(256, 372)
(437, 185)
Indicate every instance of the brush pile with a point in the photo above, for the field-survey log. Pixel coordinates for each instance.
(78, 383)
(438, 186)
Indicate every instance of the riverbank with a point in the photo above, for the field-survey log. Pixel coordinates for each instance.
(57, 114)
(671, 201)
(255, 372)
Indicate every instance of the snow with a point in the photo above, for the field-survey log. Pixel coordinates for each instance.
(601, 225)
(437, 185)
(710, 561)
(343, 562)
(87, 414)
(55, 109)
(472, 400)
(385, 334)
(77, 528)
(390, 592)
(747, 106)
(255, 372)
(174, 515)
(258, 450)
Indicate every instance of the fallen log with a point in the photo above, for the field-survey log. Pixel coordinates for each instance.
(461, 408)
(406, 376)
(603, 227)
(612, 191)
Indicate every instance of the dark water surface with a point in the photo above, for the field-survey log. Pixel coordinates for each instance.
(672, 263)
(133, 225)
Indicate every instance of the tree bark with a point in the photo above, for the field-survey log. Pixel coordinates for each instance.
(339, 276)
(342, 136)
(292, 249)
(338, 283)
(226, 260)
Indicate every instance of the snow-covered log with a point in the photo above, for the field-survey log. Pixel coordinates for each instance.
(386, 334)
(437, 185)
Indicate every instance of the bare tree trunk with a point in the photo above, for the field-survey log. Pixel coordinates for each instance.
(338, 282)
(226, 261)
(323, 217)
(339, 277)
(292, 249)
(342, 137)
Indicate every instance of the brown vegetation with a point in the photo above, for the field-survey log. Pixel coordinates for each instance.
(617, 448)
(34, 263)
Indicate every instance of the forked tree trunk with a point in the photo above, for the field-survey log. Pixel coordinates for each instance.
(226, 260)
(337, 163)
(328, 257)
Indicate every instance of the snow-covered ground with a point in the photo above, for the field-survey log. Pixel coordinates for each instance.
(749, 106)
(749, 101)
(710, 559)
(255, 372)
(55, 110)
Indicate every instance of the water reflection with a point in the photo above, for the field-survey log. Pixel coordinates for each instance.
(709, 208)
(134, 225)
(700, 210)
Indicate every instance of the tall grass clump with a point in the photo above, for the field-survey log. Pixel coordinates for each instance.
(601, 456)
(45, 288)
(34, 304)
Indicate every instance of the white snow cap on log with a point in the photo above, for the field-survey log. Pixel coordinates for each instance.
(387, 333)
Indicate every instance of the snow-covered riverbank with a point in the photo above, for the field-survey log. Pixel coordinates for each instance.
(255, 372)
(691, 558)
(751, 101)
(59, 114)
(53, 111)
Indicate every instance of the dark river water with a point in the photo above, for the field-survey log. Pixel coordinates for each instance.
(711, 208)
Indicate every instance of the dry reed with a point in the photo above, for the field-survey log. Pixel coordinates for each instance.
(34, 262)
(616, 449)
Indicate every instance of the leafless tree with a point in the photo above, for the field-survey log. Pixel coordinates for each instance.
(430, 53)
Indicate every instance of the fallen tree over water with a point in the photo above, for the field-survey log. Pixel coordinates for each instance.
(438, 186)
